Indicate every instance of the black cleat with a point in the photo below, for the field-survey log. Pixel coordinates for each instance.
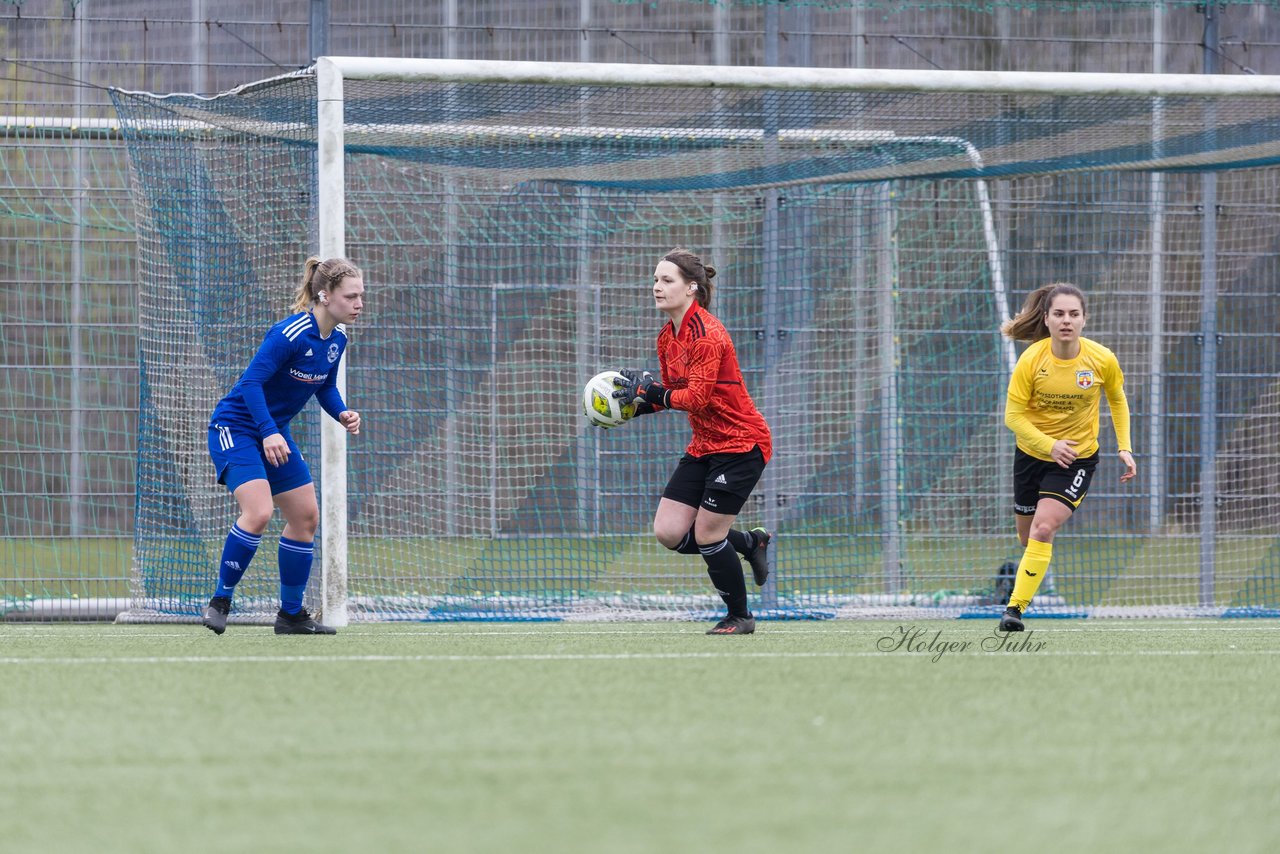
(300, 624)
(1006, 575)
(734, 626)
(759, 557)
(1011, 621)
(215, 614)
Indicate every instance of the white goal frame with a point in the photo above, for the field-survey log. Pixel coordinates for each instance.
(331, 71)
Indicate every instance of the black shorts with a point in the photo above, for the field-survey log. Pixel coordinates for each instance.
(1034, 479)
(722, 483)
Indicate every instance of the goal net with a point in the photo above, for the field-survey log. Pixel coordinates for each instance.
(871, 230)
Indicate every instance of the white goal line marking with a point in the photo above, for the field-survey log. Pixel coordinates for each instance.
(621, 656)
(444, 630)
(774, 629)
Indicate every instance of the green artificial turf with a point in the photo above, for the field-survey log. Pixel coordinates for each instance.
(808, 736)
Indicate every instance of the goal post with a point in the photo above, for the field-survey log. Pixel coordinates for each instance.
(507, 215)
(331, 217)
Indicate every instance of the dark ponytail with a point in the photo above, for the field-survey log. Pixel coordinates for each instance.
(1028, 324)
(693, 270)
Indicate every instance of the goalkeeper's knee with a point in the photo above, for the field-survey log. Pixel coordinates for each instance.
(687, 546)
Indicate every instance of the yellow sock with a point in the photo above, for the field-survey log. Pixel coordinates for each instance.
(1031, 570)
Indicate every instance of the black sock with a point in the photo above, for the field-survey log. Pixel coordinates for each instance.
(726, 575)
(743, 542)
(688, 546)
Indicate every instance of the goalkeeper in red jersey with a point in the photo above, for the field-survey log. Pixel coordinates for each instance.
(731, 442)
(1053, 409)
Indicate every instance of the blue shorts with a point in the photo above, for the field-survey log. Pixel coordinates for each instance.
(237, 459)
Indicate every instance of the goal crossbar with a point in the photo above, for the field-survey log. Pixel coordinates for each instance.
(818, 79)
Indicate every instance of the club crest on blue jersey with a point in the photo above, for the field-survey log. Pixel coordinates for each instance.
(1084, 379)
(333, 353)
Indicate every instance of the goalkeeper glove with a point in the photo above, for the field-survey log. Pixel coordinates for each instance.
(643, 385)
(654, 392)
(627, 388)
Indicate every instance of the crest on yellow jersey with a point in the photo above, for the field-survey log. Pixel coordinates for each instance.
(1084, 379)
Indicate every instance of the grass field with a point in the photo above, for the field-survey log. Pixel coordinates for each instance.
(849, 736)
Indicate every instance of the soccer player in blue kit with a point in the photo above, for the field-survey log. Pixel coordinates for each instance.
(256, 458)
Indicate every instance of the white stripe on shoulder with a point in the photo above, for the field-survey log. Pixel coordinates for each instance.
(297, 327)
(342, 327)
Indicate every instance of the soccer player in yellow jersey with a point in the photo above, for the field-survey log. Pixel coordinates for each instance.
(1053, 409)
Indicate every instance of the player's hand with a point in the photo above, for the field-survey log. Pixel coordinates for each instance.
(350, 419)
(652, 391)
(275, 449)
(1130, 467)
(627, 388)
(1064, 452)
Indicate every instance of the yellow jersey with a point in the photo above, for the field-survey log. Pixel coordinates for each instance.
(1051, 399)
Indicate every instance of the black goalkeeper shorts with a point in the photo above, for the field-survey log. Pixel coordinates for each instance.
(722, 483)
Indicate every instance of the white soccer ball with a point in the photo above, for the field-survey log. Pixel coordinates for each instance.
(599, 404)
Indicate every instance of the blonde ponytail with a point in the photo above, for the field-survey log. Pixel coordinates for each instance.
(320, 276)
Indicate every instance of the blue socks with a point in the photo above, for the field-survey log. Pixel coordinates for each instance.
(295, 569)
(295, 566)
(236, 555)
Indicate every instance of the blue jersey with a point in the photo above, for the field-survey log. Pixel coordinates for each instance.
(292, 364)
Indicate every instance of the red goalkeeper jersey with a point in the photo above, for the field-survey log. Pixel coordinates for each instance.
(700, 368)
